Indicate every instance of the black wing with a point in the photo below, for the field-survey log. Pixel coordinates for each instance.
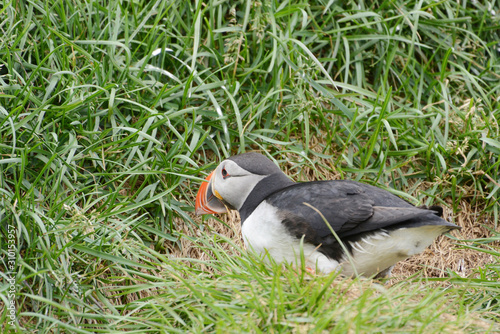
(351, 209)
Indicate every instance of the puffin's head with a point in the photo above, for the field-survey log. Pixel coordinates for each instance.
(229, 185)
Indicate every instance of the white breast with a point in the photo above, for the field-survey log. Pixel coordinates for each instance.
(264, 233)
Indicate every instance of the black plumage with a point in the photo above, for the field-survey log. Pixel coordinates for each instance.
(353, 210)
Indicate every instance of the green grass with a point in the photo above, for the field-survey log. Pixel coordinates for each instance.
(103, 142)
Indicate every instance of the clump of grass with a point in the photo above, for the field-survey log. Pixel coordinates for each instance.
(110, 114)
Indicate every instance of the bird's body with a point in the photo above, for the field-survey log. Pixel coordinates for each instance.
(282, 218)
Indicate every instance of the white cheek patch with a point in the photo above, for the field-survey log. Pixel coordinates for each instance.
(235, 188)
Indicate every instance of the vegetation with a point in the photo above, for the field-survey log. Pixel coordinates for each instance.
(112, 112)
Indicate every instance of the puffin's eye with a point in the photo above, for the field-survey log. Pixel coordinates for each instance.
(224, 173)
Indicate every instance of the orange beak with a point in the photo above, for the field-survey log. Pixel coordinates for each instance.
(206, 201)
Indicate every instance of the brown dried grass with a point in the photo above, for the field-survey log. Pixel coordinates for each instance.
(448, 254)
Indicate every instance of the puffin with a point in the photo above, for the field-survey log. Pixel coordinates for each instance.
(336, 225)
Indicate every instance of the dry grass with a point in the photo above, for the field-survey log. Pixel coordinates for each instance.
(447, 254)
(188, 247)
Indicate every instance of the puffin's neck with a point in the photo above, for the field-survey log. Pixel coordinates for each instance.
(261, 191)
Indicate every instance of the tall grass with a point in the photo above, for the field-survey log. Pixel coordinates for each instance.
(111, 113)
